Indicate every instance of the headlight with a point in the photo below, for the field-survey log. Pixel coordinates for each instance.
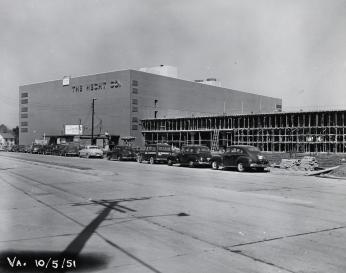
(260, 157)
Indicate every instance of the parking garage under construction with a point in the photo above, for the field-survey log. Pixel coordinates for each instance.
(314, 131)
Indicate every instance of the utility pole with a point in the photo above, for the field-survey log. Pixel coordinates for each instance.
(92, 121)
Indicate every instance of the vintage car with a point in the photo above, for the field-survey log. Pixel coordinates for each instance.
(70, 149)
(14, 148)
(56, 149)
(24, 148)
(36, 149)
(91, 151)
(192, 156)
(155, 153)
(242, 157)
(122, 153)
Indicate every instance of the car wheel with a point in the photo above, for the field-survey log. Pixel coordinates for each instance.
(191, 164)
(151, 160)
(240, 167)
(170, 162)
(215, 165)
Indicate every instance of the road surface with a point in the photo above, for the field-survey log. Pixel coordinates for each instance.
(129, 217)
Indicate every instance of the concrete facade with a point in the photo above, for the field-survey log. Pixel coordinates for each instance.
(123, 99)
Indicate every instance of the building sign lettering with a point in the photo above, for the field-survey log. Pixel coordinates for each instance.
(91, 87)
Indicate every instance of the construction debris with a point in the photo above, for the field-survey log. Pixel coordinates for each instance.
(322, 171)
(307, 163)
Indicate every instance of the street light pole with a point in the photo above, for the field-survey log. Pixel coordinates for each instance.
(92, 121)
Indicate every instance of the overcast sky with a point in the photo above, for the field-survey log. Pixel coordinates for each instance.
(291, 49)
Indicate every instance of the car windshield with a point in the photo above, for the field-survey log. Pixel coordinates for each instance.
(196, 149)
(164, 148)
(254, 149)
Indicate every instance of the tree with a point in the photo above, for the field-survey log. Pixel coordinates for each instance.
(4, 128)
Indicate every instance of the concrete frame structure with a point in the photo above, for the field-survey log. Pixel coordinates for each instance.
(315, 131)
(123, 100)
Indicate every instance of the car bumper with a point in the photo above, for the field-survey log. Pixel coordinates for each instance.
(161, 159)
(258, 165)
(203, 163)
(96, 155)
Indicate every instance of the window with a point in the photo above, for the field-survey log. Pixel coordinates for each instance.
(24, 115)
(134, 101)
(134, 127)
(135, 90)
(24, 123)
(134, 109)
(134, 119)
(134, 83)
(155, 114)
(155, 102)
(24, 109)
(24, 95)
(25, 101)
(23, 130)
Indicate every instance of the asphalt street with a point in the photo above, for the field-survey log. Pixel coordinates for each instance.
(130, 217)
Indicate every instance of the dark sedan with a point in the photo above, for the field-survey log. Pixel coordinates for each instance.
(122, 153)
(192, 156)
(242, 157)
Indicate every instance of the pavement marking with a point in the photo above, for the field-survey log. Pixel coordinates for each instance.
(39, 237)
(288, 236)
(218, 246)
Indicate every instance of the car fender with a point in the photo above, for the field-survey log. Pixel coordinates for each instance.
(216, 158)
(244, 160)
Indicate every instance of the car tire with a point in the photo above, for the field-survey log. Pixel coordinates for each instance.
(151, 160)
(240, 167)
(169, 162)
(215, 165)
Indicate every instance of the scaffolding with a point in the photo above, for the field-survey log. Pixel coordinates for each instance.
(314, 132)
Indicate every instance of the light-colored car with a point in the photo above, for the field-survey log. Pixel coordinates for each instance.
(91, 151)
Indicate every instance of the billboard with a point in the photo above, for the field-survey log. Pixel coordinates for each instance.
(73, 129)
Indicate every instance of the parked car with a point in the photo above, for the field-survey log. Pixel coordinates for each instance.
(24, 148)
(48, 149)
(242, 157)
(155, 153)
(14, 148)
(36, 149)
(70, 149)
(122, 153)
(192, 155)
(91, 151)
(56, 149)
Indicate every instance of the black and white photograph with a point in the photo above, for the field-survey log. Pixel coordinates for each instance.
(161, 136)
